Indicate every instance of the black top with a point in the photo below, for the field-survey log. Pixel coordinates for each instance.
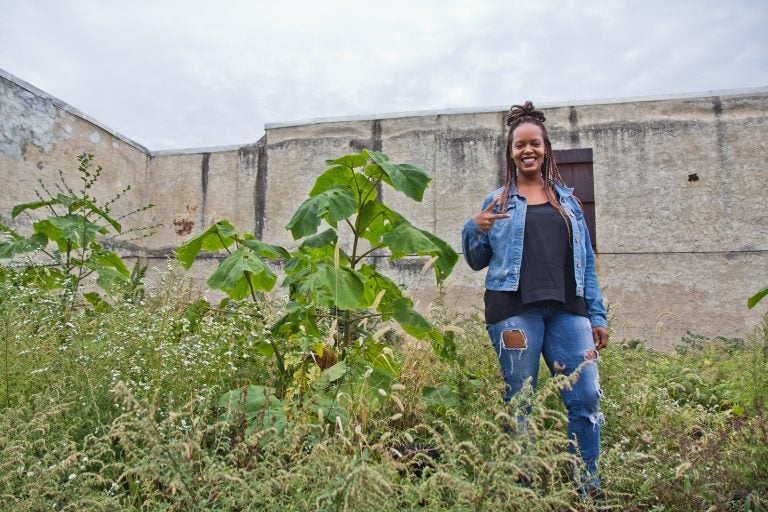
(546, 271)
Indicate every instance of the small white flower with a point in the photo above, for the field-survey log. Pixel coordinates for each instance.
(72, 476)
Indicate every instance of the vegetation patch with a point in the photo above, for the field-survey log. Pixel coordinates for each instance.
(152, 398)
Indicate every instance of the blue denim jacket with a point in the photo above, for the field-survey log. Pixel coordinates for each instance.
(501, 249)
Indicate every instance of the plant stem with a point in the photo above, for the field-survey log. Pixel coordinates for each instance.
(278, 355)
(373, 249)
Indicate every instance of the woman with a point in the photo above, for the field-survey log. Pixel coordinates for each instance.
(541, 295)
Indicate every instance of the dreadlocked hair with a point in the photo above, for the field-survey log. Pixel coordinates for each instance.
(527, 114)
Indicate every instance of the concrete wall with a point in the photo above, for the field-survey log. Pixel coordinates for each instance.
(674, 254)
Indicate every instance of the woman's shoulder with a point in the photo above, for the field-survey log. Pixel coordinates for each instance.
(566, 196)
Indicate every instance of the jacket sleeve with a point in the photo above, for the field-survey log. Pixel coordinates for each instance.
(592, 295)
(475, 245)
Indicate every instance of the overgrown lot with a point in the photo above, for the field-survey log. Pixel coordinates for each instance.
(119, 408)
(119, 395)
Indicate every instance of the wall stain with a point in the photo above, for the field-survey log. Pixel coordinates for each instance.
(258, 155)
(501, 156)
(183, 226)
(205, 168)
(722, 154)
(573, 133)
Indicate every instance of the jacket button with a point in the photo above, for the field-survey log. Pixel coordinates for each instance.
(577, 239)
(480, 235)
(578, 264)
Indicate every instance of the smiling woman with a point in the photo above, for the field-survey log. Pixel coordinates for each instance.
(541, 296)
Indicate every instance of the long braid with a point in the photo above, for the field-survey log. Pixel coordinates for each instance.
(527, 114)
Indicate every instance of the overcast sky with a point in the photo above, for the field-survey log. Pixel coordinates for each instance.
(190, 73)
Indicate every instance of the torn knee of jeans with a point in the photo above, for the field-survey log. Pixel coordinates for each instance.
(597, 418)
(558, 367)
(590, 354)
(514, 339)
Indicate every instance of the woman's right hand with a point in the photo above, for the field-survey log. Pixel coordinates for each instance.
(486, 218)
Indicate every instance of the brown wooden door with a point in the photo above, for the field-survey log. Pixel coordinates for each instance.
(575, 166)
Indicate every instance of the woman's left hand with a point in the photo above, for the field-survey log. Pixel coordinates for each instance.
(600, 335)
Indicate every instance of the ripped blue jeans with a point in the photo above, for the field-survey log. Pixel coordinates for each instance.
(565, 340)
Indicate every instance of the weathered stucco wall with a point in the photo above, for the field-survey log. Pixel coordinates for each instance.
(675, 254)
(40, 135)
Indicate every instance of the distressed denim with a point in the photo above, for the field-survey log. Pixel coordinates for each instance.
(565, 340)
(501, 249)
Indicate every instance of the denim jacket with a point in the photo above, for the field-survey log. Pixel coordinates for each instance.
(501, 249)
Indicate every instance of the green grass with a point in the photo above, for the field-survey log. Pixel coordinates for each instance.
(116, 410)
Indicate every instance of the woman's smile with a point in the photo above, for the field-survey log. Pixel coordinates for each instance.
(528, 147)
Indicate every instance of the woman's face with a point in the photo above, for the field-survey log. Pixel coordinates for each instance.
(528, 149)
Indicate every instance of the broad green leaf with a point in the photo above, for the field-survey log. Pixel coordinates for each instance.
(380, 358)
(352, 160)
(342, 289)
(375, 219)
(420, 328)
(373, 383)
(110, 259)
(263, 348)
(195, 312)
(376, 282)
(406, 239)
(335, 372)
(265, 250)
(410, 320)
(21, 245)
(249, 400)
(376, 172)
(357, 183)
(379, 379)
(337, 176)
(323, 239)
(219, 236)
(31, 206)
(111, 280)
(230, 275)
(440, 399)
(49, 277)
(71, 203)
(331, 409)
(34, 205)
(446, 257)
(753, 300)
(405, 178)
(261, 408)
(333, 205)
(88, 206)
(74, 228)
(95, 300)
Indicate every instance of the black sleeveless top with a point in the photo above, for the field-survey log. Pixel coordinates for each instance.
(546, 270)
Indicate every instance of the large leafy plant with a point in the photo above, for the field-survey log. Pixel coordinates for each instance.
(323, 273)
(66, 246)
(336, 294)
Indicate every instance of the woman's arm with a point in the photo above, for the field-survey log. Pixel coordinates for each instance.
(592, 295)
(475, 244)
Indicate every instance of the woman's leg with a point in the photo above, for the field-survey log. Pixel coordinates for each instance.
(568, 343)
(517, 342)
